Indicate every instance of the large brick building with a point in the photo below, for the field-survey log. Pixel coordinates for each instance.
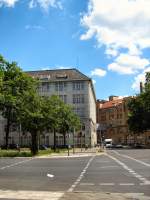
(75, 89)
(112, 118)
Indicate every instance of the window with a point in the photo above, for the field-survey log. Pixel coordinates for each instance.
(60, 86)
(78, 98)
(44, 87)
(79, 111)
(78, 85)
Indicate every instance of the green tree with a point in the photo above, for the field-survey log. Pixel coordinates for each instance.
(52, 106)
(13, 84)
(59, 117)
(139, 110)
(31, 117)
(68, 121)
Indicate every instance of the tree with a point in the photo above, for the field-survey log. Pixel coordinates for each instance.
(51, 107)
(59, 117)
(31, 117)
(139, 110)
(13, 84)
(68, 121)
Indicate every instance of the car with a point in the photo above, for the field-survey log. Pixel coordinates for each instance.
(14, 146)
(118, 146)
(139, 146)
(11, 146)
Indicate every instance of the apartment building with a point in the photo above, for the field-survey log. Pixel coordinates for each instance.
(75, 89)
(112, 120)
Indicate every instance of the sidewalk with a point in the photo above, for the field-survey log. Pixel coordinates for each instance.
(103, 196)
(78, 152)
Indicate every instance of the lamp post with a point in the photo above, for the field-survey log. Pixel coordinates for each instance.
(73, 140)
(68, 144)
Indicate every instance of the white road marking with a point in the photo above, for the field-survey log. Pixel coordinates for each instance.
(146, 183)
(124, 184)
(87, 184)
(32, 195)
(107, 184)
(136, 175)
(50, 175)
(112, 166)
(81, 175)
(17, 163)
(139, 161)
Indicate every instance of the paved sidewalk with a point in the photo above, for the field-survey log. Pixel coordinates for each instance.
(77, 153)
(103, 196)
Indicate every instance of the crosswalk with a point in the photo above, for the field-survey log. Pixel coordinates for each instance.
(32, 195)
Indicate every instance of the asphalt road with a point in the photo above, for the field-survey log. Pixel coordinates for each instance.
(126, 172)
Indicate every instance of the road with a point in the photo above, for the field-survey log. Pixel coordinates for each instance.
(116, 174)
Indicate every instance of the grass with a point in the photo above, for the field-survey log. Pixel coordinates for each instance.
(25, 152)
(15, 153)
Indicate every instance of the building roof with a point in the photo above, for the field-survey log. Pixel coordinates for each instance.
(61, 75)
(110, 104)
(58, 75)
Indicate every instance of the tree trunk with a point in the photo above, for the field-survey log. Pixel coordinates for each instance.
(54, 140)
(64, 135)
(34, 147)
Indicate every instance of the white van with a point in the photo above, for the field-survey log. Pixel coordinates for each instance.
(108, 143)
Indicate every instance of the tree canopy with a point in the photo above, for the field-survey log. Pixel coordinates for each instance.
(139, 110)
(14, 83)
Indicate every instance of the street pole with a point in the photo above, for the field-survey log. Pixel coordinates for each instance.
(68, 144)
(73, 141)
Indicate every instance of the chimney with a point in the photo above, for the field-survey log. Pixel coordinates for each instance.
(141, 87)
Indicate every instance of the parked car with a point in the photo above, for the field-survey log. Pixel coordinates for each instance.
(118, 146)
(139, 146)
(11, 146)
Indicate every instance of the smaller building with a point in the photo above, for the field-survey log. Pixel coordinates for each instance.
(112, 119)
(112, 116)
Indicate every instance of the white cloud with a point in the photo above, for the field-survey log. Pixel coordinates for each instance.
(139, 78)
(128, 64)
(118, 24)
(98, 72)
(45, 4)
(8, 3)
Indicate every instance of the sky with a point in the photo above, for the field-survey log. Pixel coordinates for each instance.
(107, 40)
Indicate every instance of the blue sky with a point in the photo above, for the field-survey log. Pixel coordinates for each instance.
(109, 42)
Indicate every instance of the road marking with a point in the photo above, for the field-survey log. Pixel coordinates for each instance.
(50, 175)
(112, 166)
(126, 184)
(87, 184)
(146, 183)
(136, 175)
(107, 184)
(14, 164)
(139, 161)
(81, 175)
(32, 195)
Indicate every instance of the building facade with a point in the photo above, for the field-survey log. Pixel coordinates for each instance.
(112, 116)
(75, 89)
(112, 119)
